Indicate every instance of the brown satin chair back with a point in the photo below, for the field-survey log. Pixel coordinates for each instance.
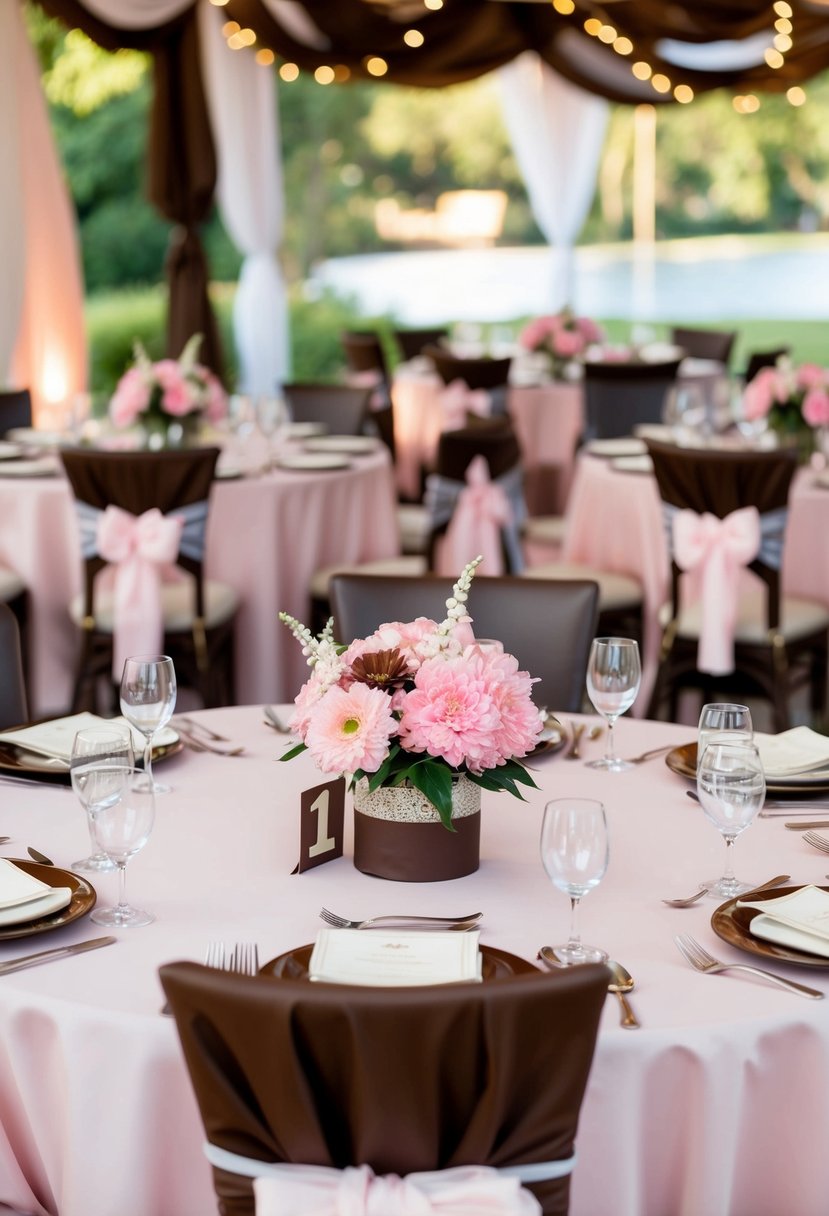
(364, 353)
(763, 358)
(13, 707)
(495, 440)
(475, 373)
(705, 343)
(548, 624)
(412, 341)
(402, 1080)
(15, 409)
(341, 408)
(620, 396)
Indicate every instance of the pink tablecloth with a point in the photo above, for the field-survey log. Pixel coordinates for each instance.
(267, 535)
(718, 1106)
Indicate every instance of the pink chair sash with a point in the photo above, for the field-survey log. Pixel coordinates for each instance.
(304, 1190)
(457, 400)
(138, 547)
(482, 510)
(715, 551)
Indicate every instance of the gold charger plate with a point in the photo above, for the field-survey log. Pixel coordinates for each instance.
(683, 761)
(29, 764)
(732, 924)
(83, 900)
(294, 964)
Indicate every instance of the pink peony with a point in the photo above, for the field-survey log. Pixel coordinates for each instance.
(350, 729)
(131, 398)
(567, 343)
(177, 396)
(809, 375)
(589, 330)
(216, 408)
(816, 407)
(536, 333)
(760, 394)
(512, 692)
(451, 713)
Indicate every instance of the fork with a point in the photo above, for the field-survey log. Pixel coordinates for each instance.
(243, 959)
(196, 727)
(817, 841)
(455, 922)
(654, 751)
(204, 745)
(701, 960)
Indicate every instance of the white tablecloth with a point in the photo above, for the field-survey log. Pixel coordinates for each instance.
(718, 1106)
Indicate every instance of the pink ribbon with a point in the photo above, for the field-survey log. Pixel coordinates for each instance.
(482, 510)
(715, 550)
(306, 1190)
(457, 400)
(138, 547)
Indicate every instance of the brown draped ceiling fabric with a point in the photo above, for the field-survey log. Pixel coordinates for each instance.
(182, 161)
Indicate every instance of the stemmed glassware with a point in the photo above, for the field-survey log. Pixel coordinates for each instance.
(148, 698)
(96, 766)
(614, 672)
(122, 827)
(731, 788)
(574, 851)
(725, 723)
(271, 416)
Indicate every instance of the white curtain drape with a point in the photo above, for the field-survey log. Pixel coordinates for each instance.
(241, 100)
(557, 131)
(12, 253)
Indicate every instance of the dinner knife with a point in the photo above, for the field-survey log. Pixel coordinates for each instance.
(47, 956)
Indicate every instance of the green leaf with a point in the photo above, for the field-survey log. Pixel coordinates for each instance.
(435, 781)
(294, 751)
(383, 772)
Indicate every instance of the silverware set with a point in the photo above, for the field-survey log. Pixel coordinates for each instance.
(200, 738)
(778, 881)
(242, 959)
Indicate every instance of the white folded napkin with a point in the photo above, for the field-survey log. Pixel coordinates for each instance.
(18, 887)
(800, 750)
(391, 960)
(799, 920)
(54, 739)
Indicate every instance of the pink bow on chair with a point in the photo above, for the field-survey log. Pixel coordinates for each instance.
(482, 510)
(138, 546)
(716, 550)
(457, 400)
(319, 1191)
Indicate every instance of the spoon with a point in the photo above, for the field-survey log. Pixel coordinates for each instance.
(573, 752)
(692, 899)
(40, 857)
(621, 983)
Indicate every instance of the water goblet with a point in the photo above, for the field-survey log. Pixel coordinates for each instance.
(98, 757)
(270, 419)
(722, 718)
(731, 788)
(122, 827)
(148, 698)
(614, 672)
(574, 852)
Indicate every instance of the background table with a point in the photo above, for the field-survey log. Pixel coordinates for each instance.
(266, 537)
(718, 1106)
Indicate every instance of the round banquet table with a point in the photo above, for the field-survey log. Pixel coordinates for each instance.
(718, 1105)
(266, 536)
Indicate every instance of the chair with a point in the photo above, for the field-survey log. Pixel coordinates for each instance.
(476, 373)
(198, 615)
(412, 341)
(620, 396)
(548, 625)
(13, 709)
(705, 343)
(402, 1080)
(341, 408)
(15, 409)
(763, 358)
(780, 642)
(364, 352)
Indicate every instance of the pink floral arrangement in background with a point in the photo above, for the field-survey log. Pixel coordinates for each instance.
(563, 337)
(417, 702)
(790, 398)
(168, 389)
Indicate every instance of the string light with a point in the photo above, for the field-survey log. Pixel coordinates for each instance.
(641, 70)
(592, 26)
(413, 38)
(230, 27)
(683, 93)
(375, 66)
(288, 72)
(565, 7)
(782, 8)
(623, 46)
(661, 83)
(607, 34)
(324, 74)
(265, 58)
(433, 5)
(795, 95)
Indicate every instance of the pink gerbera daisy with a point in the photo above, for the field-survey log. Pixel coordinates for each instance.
(350, 729)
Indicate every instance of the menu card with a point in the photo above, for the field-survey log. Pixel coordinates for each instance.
(54, 739)
(799, 920)
(391, 960)
(800, 750)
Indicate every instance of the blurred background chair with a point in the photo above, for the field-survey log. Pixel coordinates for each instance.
(763, 358)
(548, 625)
(620, 396)
(489, 1074)
(410, 342)
(364, 353)
(198, 614)
(714, 344)
(475, 373)
(342, 409)
(15, 409)
(13, 704)
(780, 642)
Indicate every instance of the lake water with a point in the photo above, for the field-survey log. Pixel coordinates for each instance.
(693, 280)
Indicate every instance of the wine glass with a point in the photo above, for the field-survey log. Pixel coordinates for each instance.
(96, 765)
(122, 827)
(270, 417)
(731, 788)
(574, 851)
(732, 722)
(614, 672)
(148, 698)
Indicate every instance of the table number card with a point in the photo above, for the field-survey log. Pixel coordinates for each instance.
(321, 824)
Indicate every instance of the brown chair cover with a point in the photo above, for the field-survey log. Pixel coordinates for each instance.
(13, 708)
(705, 343)
(403, 1080)
(475, 373)
(15, 409)
(620, 396)
(341, 408)
(412, 341)
(763, 358)
(364, 353)
(137, 481)
(548, 624)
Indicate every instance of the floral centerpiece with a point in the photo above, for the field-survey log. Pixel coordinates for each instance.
(169, 391)
(417, 704)
(562, 337)
(794, 401)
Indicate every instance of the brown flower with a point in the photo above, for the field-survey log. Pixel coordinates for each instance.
(381, 669)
